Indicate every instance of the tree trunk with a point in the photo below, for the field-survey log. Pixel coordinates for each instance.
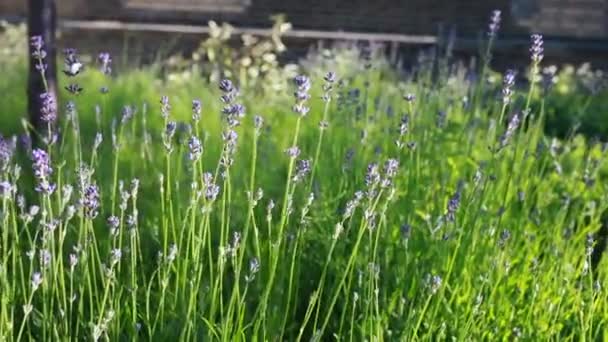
(41, 22)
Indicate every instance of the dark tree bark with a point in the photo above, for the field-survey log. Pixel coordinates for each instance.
(41, 22)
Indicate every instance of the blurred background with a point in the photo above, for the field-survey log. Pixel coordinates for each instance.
(179, 44)
(574, 30)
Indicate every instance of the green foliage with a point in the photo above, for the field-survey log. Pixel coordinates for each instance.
(579, 101)
(253, 64)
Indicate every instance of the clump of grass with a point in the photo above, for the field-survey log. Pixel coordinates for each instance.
(356, 207)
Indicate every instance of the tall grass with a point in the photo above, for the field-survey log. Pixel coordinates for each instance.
(367, 205)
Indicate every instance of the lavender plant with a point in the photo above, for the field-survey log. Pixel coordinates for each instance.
(350, 211)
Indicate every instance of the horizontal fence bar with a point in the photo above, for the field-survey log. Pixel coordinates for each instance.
(193, 29)
(461, 43)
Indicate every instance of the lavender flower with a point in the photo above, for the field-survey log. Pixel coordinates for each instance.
(435, 283)
(74, 88)
(537, 50)
(116, 254)
(226, 86)
(51, 226)
(36, 280)
(236, 241)
(165, 107)
(194, 145)
(73, 66)
(131, 221)
(302, 82)
(90, 201)
(352, 204)
(404, 126)
(170, 129)
(69, 212)
(210, 189)
(302, 169)
(42, 171)
(494, 23)
(48, 107)
(293, 152)
(511, 128)
(70, 114)
(38, 53)
(98, 140)
(301, 94)
(230, 138)
(391, 167)
(126, 114)
(390, 170)
(372, 176)
(134, 187)
(113, 224)
(507, 86)
(73, 261)
(258, 122)
(6, 189)
(232, 111)
(105, 60)
(196, 110)
(172, 253)
(330, 77)
(254, 267)
(37, 44)
(269, 208)
(7, 150)
(453, 205)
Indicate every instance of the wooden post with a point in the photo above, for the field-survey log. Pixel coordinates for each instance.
(41, 22)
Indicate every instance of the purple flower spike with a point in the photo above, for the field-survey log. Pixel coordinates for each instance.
(494, 23)
(49, 107)
(301, 94)
(38, 53)
(90, 201)
(537, 49)
(226, 86)
(303, 168)
(105, 60)
(36, 42)
(42, 171)
(7, 150)
(507, 86)
(196, 110)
